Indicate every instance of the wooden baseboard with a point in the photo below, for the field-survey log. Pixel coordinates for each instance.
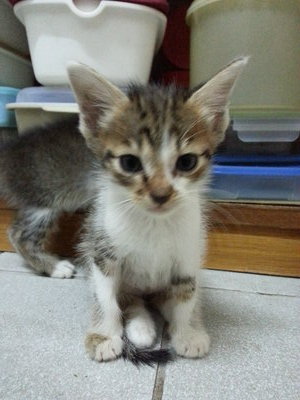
(6, 217)
(254, 250)
(242, 237)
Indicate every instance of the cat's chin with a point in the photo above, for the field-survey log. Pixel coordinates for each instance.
(160, 211)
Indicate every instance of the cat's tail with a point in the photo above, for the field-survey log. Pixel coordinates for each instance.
(146, 357)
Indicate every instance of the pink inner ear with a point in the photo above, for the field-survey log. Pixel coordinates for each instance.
(90, 114)
(217, 121)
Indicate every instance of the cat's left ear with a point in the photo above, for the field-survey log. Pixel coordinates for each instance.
(212, 100)
(96, 97)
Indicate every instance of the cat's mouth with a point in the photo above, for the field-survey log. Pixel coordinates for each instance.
(160, 209)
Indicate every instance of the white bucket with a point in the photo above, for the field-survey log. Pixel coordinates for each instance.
(117, 39)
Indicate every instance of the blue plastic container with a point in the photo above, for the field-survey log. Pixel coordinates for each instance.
(235, 182)
(7, 95)
(41, 94)
(226, 159)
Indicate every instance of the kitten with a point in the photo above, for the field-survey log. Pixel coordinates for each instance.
(143, 171)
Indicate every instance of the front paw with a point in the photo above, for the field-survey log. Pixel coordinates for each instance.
(103, 348)
(63, 269)
(191, 344)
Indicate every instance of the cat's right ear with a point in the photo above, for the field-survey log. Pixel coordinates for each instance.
(212, 99)
(95, 96)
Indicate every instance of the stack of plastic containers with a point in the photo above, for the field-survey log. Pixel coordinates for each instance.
(38, 106)
(116, 38)
(15, 67)
(7, 118)
(260, 158)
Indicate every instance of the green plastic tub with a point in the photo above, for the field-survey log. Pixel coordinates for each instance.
(268, 31)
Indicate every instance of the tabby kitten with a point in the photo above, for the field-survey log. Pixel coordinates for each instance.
(143, 171)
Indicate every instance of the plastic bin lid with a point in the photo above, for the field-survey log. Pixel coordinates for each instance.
(160, 5)
(267, 129)
(196, 4)
(256, 170)
(265, 159)
(45, 95)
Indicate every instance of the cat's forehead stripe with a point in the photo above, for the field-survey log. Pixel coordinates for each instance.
(145, 131)
(157, 127)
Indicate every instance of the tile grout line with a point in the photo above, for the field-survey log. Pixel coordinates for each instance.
(250, 292)
(158, 388)
(203, 287)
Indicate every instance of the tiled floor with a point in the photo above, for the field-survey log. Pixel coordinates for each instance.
(254, 323)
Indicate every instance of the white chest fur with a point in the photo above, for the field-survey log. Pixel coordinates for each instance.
(154, 247)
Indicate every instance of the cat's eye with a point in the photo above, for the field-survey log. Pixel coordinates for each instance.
(130, 163)
(186, 162)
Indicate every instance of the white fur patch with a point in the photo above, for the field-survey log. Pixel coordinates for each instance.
(141, 331)
(154, 246)
(109, 349)
(63, 269)
(105, 289)
(191, 343)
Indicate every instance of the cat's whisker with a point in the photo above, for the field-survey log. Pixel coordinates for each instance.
(188, 130)
(123, 202)
(225, 213)
(124, 209)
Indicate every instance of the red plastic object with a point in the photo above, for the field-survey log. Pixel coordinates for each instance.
(178, 77)
(160, 5)
(176, 44)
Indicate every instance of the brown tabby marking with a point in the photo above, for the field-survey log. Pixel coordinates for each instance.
(141, 126)
(92, 340)
(180, 291)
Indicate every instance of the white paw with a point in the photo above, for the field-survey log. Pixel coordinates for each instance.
(191, 344)
(63, 269)
(101, 348)
(141, 332)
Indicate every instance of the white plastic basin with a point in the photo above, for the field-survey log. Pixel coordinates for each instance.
(117, 39)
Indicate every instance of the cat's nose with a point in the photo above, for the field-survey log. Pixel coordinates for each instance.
(160, 199)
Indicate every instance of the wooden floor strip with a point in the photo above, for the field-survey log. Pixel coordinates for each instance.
(242, 237)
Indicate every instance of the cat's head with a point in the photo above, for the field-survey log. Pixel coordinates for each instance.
(155, 142)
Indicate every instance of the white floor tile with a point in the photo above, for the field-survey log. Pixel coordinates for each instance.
(42, 325)
(253, 320)
(254, 353)
(251, 282)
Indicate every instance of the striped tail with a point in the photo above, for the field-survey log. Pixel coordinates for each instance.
(146, 357)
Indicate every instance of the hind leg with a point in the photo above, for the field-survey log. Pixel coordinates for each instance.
(28, 235)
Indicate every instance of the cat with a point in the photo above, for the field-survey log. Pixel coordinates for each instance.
(140, 161)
